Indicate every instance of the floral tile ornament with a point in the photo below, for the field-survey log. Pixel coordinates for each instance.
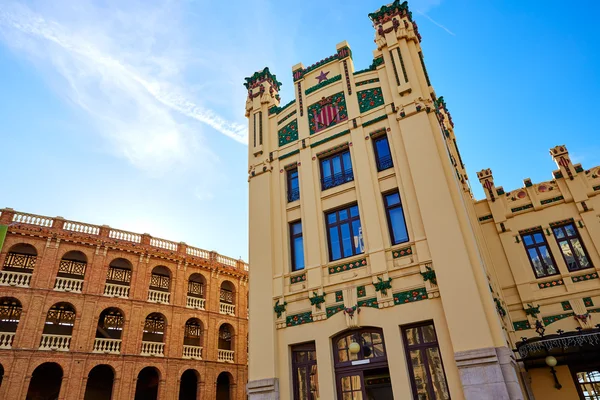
(327, 112)
(521, 325)
(339, 296)
(331, 311)
(588, 302)
(299, 319)
(369, 99)
(410, 296)
(558, 282)
(586, 277)
(361, 291)
(406, 251)
(566, 306)
(348, 266)
(553, 318)
(297, 278)
(372, 302)
(288, 134)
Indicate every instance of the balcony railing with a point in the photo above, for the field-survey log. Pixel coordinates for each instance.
(195, 302)
(153, 349)
(293, 194)
(225, 356)
(68, 285)
(22, 261)
(156, 296)
(55, 342)
(114, 290)
(6, 339)
(192, 352)
(11, 278)
(384, 163)
(226, 308)
(107, 346)
(337, 179)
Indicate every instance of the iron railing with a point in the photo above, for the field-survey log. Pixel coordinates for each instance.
(337, 179)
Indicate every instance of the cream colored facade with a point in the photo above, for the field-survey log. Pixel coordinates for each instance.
(458, 270)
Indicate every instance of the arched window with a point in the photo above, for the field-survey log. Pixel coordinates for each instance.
(153, 338)
(45, 382)
(109, 331)
(192, 339)
(71, 272)
(160, 284)
(188, 387)
(99, 383)
(10, 314)
(118, 278)
(58, 327)
(196, 292)
(18, 265)
(227, 298)
(225, 344)
(147, 384)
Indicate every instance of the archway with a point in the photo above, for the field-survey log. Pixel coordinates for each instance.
(196, 293)
(223, 386)
(100, 383)
(188, 387)
(118, 278)
(45, 382)
(71, 271)
(227, 298)
(225, 345)
(160, 285)
(147, 384)
(10, 314)
(1, 374)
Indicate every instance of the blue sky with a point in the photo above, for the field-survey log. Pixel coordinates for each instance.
(131, 113)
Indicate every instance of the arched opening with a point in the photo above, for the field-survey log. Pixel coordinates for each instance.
(361, 367)
(1, 374)
(188, 387)
(18, 265)
(192, 339)
(195, 293)
(160, 284)
(10, 314)
(109, 331)
(45, 382)
(118, 278)
(225, 345)
(153, 338)
(100, 383)
(147, 384)
(223, 386)
(58, 327)
(71, 271)
(227, 298)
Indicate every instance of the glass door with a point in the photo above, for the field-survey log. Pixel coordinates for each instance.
(351, 386)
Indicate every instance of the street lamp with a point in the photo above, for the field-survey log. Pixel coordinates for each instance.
(551, 362)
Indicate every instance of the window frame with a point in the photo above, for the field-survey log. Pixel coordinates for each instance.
(292, 194)
(338, 224)
(346, 174)
(422, 346)
(536, 247)
(378, 161)
(388, 210)
(306, 365)
(567, 238)
(293, 249)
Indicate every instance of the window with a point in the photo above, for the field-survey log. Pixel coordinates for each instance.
(588, 384)
(571, 247)
(336, 170)
(426, 370)
(383, 156)
(304, 369)
(293, 189)
(395, 218)
(297, 246)
(539, 255)
(344, 233)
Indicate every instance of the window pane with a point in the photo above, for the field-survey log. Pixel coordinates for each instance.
(326, 167)
(300, 356)
(569, 259)
(398, 226)
(347, 163)
(358, 242)
(412, 336)
(436, 373)
(528, 240)
(337, 165)
(343, 214)
(539, 238)
(298, 253)
(383, 148)
(537, 264)
(580, 254)
(335, 243)
(296, 228)
(314, 383)
(392, 199)
(302, 380)
(428, 334)
(570, 230)
(347, 240)
(354, 211)
(346, 384)
(559, 233)
(331, 218)
(420, 374)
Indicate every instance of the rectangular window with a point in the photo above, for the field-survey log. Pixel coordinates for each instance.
(539, 255)
(336, 170)
(383, 155)
(297, 246)
(344, 233)
(395, 218)
(304, 370)
(293, 188)
(571, 247)
(426, 370)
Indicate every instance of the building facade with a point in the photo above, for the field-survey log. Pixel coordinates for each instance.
(91, 312)
(376, 275)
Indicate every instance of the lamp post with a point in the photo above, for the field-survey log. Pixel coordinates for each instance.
(551, 362)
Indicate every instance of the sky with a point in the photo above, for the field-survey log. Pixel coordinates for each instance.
(131, 113)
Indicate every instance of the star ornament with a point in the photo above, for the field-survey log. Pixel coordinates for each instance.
(322, 76)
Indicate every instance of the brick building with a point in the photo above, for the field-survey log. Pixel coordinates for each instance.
(93, 312)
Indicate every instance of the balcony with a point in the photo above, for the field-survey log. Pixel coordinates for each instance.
(18, 279)
(227, 309)
(192, 352)
(55, 342)
(6, 340)
(157, 296)
(337, 179)
(114, 290)
(225, 356)
(156, 349)
(195, 302)
(68, 285)
(107, 346)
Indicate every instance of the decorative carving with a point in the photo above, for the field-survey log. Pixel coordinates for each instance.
(317, 300)
(383, 286)
(429, 275)
(279, 308)
(532, 311)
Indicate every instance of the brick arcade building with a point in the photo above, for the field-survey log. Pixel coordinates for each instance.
(91, 312)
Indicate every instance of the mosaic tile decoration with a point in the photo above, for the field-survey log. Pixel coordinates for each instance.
(339, 296)
(521, 325)
(552, 200)
(288, 133)
(485, 218)
(587, 301)
(374, 80)
(561, 222)
(299, 319)
(372, 302)
(282, 120)
(566, 306)
(545, 285)
(348, 266)
(525, 207)
(406, 251)
(327, 112)
(586, 277)
(297, 278)
(331, 311)
(326, 82)
(553, 318)
(410, 296)
(369, 99)
(361, 291)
